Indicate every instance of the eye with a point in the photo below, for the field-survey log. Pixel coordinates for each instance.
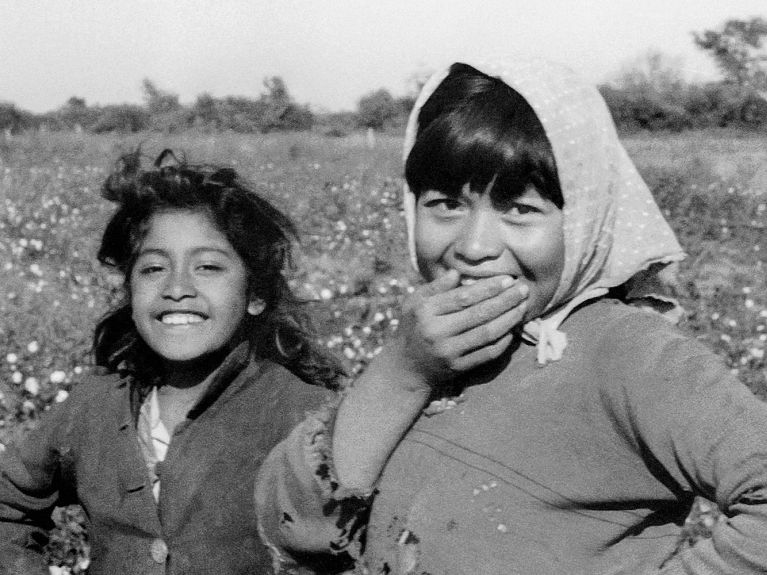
(210, 267)
(522, 209)
(447, 204)
(440, 203)
(150, 269)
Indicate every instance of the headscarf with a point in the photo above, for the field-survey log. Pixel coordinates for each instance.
(613, 229)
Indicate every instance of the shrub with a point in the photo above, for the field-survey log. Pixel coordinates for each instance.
(14, 119)
(122, 118)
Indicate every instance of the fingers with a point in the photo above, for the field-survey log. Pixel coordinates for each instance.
(483, 354)
(488, 339)
(440, 285)
(503, 306)
(447, 328)
(452, 300)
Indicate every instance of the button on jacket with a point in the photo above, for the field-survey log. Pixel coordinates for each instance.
(86, 451)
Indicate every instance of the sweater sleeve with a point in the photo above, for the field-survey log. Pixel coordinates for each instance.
(701, 431)
(30, 487)
(305, 517)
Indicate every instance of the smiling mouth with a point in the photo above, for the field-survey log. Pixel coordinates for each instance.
(181, 318)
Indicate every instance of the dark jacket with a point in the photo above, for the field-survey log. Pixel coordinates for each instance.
(86, 451)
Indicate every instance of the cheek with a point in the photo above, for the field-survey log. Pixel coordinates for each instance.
(430, 243)
(139, 296)
(548, 258)
(552, 256)
(233, 296)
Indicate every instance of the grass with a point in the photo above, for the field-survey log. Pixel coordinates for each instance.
(346, 200)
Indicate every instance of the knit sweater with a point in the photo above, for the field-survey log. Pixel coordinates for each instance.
(587, 465)
(86, 451)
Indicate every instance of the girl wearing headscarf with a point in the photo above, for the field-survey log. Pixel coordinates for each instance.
(527, 419)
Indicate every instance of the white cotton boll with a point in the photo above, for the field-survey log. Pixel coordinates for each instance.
(58, 376)
(33, 347)
(32, 385)
(61, 395)
(12, 358)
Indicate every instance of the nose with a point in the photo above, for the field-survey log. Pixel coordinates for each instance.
(479, 240)
(179, 285)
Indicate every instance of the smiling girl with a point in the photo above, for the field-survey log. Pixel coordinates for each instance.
(526, 419)
(209, 366)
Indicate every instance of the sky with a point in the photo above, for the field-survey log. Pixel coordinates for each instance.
(329, 52)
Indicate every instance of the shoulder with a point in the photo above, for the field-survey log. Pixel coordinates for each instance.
(612, 327)
(280, 399)
(96, 389)
(275, 381)
(85, 406)
(635, 351)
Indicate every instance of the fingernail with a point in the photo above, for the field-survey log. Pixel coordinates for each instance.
(524, 289)
(507, 281)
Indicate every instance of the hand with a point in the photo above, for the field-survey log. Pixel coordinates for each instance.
(447, 329)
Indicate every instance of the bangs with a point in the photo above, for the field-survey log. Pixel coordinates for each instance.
(479, 134)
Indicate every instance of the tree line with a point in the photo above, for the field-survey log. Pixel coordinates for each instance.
(653, 95)
(649, 94)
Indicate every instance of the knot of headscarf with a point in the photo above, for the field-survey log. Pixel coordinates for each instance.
(545, 334)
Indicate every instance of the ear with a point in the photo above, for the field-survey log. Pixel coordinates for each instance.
(256, 306)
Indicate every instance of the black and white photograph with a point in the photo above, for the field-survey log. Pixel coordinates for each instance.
(409, 287)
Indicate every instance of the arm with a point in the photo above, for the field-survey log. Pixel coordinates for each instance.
(305, 516)
(312, 500)
(688, 414)
(445, 330)
(29, 469)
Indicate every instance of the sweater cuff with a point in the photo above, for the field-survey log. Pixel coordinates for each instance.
(306, 517)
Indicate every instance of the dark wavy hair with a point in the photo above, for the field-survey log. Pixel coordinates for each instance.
(260, 234)
(475, 129)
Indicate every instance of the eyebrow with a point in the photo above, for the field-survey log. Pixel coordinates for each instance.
(194, 251)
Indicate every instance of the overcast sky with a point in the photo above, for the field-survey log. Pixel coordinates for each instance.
(329, 52)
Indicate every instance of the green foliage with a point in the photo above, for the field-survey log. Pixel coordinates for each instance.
(76, 113)
(13, 119)
(273, 110)
(125, 118)
(68, 543)
(739, 51)
(645, 110)
(158, 101)
(651, 94)
(378, 110)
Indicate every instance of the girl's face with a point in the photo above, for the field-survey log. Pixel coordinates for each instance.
(481, 235)
(189, 287)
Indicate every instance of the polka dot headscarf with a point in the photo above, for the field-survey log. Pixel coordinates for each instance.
(612, 227)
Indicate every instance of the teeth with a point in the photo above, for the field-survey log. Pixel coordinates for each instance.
(469, 281)
(180, 318)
